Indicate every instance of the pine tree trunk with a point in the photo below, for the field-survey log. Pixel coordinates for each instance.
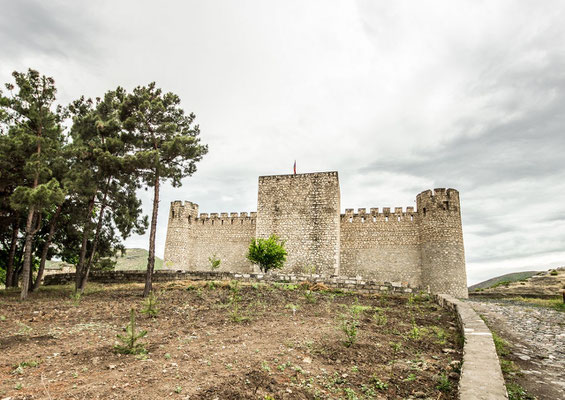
(45, 250)
(82, 256)
(27, 254)
(151, 258)
(96, 237)
(11, 256)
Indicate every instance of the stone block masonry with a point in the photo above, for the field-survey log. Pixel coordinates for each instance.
(421, 248)
(303, 210)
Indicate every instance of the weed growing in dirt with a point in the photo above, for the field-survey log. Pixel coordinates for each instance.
(396, 346)
(517, 392)
(2, 318)
(500, 344)
(350, 328)
(150, 305)
(309, 296)
(350, 322)
(292, 307)
(265, 366)
(19, 368)
(410, 378)
(23, 330)
(235, 298)
(130, 341)
(378, 384)
(178, 389)
(75, 298)
(441, 334)
(443, 383)
(350, 393)
(379, 317)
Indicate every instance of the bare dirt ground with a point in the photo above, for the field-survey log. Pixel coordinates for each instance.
(227, 341)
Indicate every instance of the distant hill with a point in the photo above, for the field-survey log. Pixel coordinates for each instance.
(133, 259)
(539, 284)
(512, 277)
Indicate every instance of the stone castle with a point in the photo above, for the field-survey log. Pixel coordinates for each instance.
(422, 248)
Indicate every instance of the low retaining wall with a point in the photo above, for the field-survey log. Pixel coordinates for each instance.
(481, 376)
(334, 282)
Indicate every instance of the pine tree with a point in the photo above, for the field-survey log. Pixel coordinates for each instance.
(167, 145)
(105, 178)
(34, 128)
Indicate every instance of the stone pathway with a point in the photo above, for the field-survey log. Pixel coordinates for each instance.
(537, 338)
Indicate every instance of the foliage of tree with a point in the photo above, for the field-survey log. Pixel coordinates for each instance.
(167, 147)
(267, 253)
(105, 177)
(69, 175)
(34, 135)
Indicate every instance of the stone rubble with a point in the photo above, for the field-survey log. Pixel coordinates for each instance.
(537, 335)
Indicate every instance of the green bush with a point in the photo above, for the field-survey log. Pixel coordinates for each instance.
(267, 253)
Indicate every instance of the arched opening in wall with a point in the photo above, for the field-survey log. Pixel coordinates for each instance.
(222, 222)
(241, 222)
(398, 218)
(424, 211)
(386, 219)
(202, 222)
(252, 222)
(173, 213)
(350, 219)
(232, 221)
(446, 205)
(411, 218)
(212, 222)
(362, 220)
(374, 219)
(189, 220)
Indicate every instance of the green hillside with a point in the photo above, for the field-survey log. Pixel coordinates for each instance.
(512, 277)
(133, 259)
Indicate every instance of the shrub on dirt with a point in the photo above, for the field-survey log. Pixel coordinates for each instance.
(267, 253)
(150, 305)
(130, 341)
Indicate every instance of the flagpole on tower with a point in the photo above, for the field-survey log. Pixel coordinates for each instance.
(294, 167)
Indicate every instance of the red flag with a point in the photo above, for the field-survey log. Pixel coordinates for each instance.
(294, 167)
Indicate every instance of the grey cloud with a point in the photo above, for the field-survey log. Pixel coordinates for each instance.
(50, 28)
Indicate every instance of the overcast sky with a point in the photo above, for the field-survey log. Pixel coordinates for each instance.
(398, 96)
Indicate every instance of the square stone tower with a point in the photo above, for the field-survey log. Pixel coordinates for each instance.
(303, 210)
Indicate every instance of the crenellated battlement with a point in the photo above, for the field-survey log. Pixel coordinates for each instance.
(439, 199)
(181, 210)
(225, 218)
(399, 214)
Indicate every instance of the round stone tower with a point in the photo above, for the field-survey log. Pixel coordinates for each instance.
(441, 242)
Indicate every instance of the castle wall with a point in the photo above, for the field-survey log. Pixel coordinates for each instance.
(193, 238)
(303, 210)
(381, 246)
(227, 237)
